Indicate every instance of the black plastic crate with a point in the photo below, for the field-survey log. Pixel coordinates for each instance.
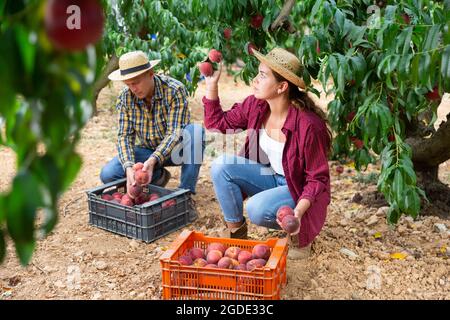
(148, 221)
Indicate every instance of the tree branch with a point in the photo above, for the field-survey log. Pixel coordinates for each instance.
(103, 80)
(430, 152)
(284, 14)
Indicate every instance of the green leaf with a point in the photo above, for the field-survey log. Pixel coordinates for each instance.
(397, 184)
(2, 246)
(445, 68)
(432, 38)
(25, 251)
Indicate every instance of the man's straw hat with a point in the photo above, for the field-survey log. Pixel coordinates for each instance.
(284, 63)
(131, 65)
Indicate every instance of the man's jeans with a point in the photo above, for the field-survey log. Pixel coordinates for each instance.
(188, 154)
(233, 175)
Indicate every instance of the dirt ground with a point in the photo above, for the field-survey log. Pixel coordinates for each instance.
(356, 256)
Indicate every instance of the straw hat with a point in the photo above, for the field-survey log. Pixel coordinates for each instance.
(131, 65)
(284, 63)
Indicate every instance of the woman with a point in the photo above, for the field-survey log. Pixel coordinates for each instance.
(284, 161)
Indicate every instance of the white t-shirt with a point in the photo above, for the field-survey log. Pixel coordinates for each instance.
(273, 149)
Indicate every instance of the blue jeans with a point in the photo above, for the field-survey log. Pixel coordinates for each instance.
(186, 153)
(233, 175)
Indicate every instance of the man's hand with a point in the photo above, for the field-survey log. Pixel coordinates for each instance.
(149, 166)
(130, 180)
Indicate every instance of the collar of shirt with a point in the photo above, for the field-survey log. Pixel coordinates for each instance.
(291, 119)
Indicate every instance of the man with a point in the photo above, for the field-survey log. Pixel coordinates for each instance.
(154, 109)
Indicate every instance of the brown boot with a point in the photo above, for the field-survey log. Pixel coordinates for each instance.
(295, 252)
(236, 233)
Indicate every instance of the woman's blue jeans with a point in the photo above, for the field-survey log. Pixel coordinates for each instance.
(233, 175)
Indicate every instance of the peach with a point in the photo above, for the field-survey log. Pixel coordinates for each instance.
(153, 197)
(200, 262)
(232, 252)
(135, 191)
(185, 260)
(215, 55)
(206, 69)
(138, 166)
(225, 263)
(107, 197)
(256, 21)
(290, 224)
(196, 253)
(284, 211)
(244, 256)
(216, 246)
(255, 263)
(241, 266)
(214, 256)
(261, 251)
(140, 199)
(211, 265)
(127, 201)
(169, 203)
(234, 263)
(249, 47)
(141, 177)
(227, 33)
(117, 195)
(115, 200)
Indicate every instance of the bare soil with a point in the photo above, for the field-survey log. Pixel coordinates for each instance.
(356, 256)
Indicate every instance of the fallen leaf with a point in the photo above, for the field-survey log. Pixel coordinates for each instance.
(377, 235)
(398, 256)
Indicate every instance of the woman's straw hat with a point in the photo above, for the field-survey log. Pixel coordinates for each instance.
(284, 63)
(131, 65)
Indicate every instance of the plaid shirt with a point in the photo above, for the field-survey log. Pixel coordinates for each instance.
(158, 126)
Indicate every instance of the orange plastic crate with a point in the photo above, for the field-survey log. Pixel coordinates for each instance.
(190, 282)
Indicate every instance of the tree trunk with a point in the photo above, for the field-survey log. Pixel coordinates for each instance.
(427, 155)
(103, 80)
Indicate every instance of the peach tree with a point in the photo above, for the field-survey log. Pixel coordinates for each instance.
(388, 62)
(46, 86)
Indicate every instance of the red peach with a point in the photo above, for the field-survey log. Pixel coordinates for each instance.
(169, 203)
(153, 197)
(206, 69)
(244, 257)
(261, 251)
(225, 263)
(241, 266)
(200, 262)
(211, 265)
(339, 169)
(214, 256)
(255, 263)
(141, 177)
(138, 166)
(117, 195)
(142, 198)
(185, 260)
(227, 33)
(249, 47)
(196, 253)
(127, 201)
(232, 252)
(107, 197)
(257, 21)
(290, 224)
(284, 211)
(216, 246)
(215, 55)
(135, 191)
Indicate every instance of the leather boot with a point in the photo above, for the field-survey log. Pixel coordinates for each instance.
(295, 251)
(236, 233)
